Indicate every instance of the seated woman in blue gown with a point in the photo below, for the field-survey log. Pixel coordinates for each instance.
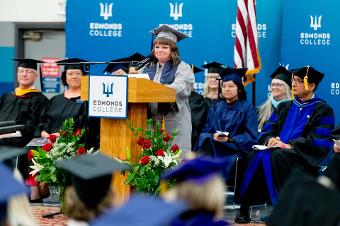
(233, 115)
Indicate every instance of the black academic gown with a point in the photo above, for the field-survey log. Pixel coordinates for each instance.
(24, 110)
(307, 127)
(199, 111)
(58, 109)
(303, 201)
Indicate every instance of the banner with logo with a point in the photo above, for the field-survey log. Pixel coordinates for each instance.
(108, 97)
(102, 30)
(310, 32)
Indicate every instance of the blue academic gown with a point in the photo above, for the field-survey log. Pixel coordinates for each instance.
(198, 218)
(239, 119)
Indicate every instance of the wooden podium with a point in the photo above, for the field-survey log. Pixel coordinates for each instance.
(115, 135)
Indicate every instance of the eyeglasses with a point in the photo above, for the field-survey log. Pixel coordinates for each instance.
(276, 85)
(27, 71)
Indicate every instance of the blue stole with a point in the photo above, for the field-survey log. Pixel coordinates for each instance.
(168, 72)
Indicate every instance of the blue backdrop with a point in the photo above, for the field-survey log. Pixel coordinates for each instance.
(105, 30)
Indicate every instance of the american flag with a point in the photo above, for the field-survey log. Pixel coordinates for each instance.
(246, 53)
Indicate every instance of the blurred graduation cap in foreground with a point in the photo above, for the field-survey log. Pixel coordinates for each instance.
(195, 69)
(282, 74)
(91, 176)
(199, 169)
(303, 201)
(142, 211)
(169, 33)
(28, 63)
(213, 67)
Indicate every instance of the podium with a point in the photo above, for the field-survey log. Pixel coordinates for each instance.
(115, 135)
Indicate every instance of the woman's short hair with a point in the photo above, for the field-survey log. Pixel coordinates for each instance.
(173, 47)
(209, 196)
(77, 210)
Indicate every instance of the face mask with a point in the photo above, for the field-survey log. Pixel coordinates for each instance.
(276, 103)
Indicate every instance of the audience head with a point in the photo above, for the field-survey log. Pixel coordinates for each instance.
(232, 85)
(73, 70)
(123, 66)
(281, 84)
(213, 73)
(305, 80)
(164, 46)
(199, 183)
(90, 192)
(27, 72)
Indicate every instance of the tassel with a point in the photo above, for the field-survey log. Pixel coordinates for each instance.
(305, 79)
(163, 123)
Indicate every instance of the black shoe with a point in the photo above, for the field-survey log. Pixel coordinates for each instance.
(242, 219)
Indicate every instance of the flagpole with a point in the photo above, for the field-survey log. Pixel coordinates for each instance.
(253, 96)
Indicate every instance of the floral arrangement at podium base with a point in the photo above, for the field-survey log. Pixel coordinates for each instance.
(68, 145)
(158, 155)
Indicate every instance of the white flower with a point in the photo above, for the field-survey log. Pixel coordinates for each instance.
(36, 167)
(167, 159)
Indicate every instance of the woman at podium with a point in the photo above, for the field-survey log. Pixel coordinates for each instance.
(167, 68)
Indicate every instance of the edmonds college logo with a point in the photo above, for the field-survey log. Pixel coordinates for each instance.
(315, 22)
(108, 89)
(106, 10)
(176, 10)
(312, 37)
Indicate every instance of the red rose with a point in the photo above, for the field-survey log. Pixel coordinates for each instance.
(166, 137)
(146, 144)
(145, 160)
(77, 132)
(140, 141)
(47, 147)
(52, 138)
(30, 155)
(159, 152)
(81, 150)
(174, 148)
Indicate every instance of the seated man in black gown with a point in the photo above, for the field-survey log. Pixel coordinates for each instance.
(297, 135)
(23, 105)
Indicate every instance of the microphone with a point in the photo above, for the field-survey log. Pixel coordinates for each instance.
(147, 60)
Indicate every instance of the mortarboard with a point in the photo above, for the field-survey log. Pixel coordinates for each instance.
(9, 152)
(126, 62)
(110, 68)
(72, 63)
(91, 176)
(9, 185)
(213, 67)
(198, 170)
(169, 33)
(28, 63)
(309, 75)
(233, 74)
(195, 69)
(142, 211)
(303, 201)
(283, 74)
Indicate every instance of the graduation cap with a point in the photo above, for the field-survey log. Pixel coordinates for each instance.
(169, 33)
(282, 74)
(142, 211)
(91, 176)
(9, 187)
(195, 69)
(309, 75)
(198, 170)
(233, 74)
(72, 64)
(213, 67)
(28, 63)
(124, 63)
(9, 152)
